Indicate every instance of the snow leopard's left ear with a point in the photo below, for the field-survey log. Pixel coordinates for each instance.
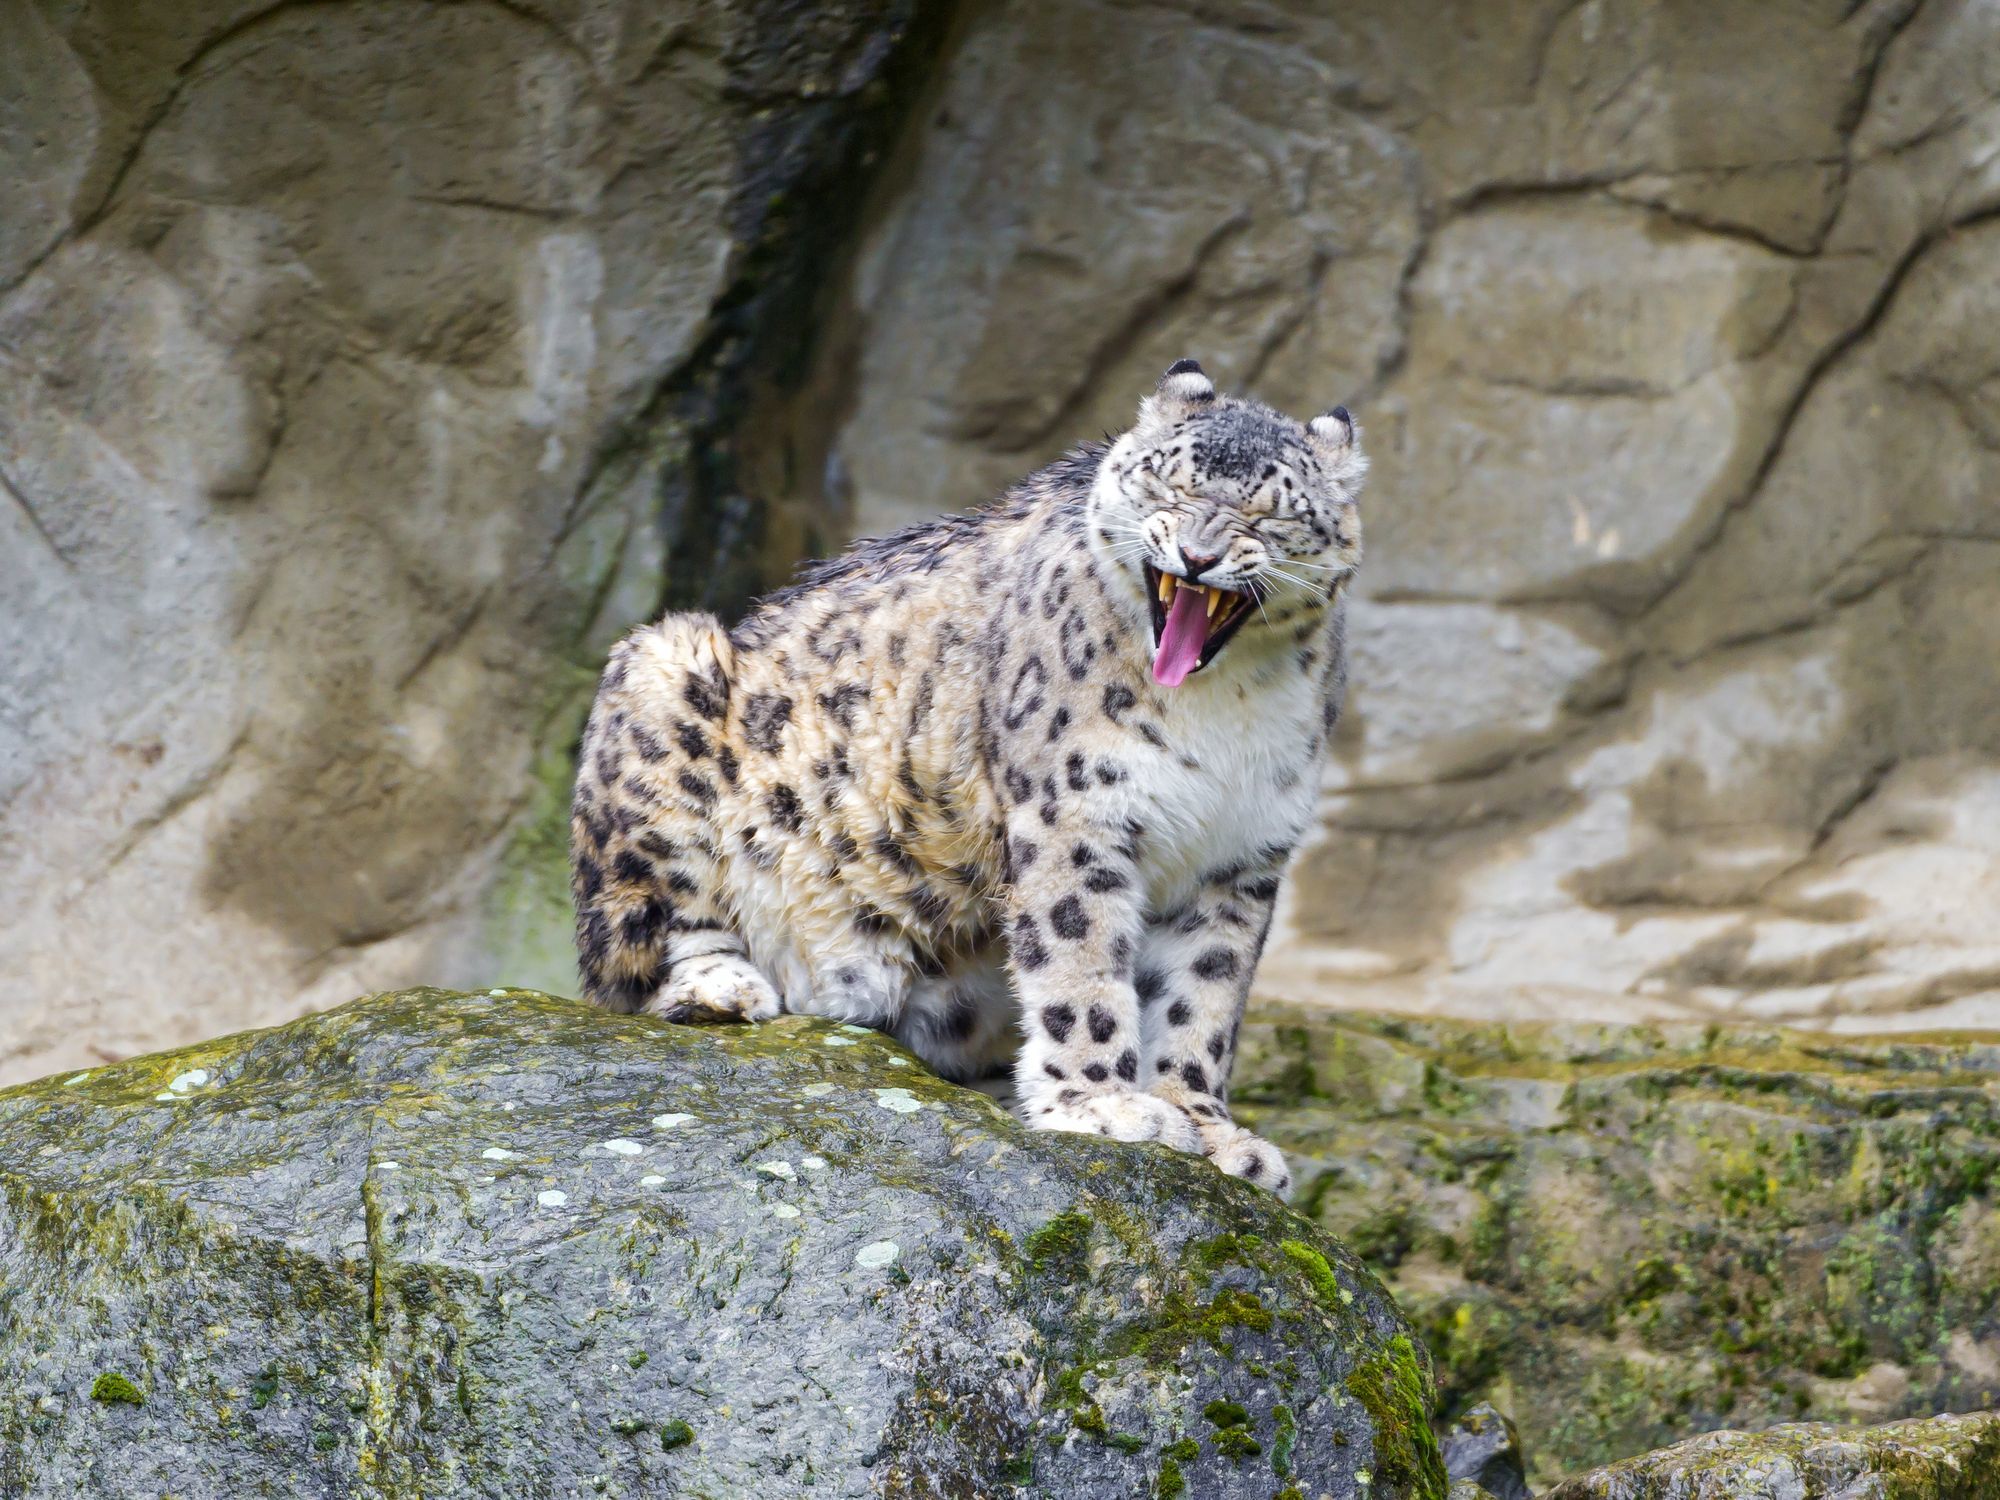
(1336, 438)
(1182, 391)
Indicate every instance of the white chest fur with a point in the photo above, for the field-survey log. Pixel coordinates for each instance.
(1237, 777)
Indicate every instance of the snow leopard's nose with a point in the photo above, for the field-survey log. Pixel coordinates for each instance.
(1198, 563)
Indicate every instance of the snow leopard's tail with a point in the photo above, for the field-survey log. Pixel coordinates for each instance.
(643, 854)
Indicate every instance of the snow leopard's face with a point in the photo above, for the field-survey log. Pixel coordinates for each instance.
(1226, 517)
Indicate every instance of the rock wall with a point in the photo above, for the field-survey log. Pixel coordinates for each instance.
(355, 359)
(364, 369)
(1670, 325)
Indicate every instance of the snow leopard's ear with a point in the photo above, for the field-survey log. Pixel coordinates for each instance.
(1182, 390)
(1337, 440)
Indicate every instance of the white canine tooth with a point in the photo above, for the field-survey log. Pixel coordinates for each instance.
(1166, 587)
(1214, 602)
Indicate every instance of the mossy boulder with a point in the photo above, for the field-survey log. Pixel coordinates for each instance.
(505, 1245)
(1623, 1236)
(1941, 1458)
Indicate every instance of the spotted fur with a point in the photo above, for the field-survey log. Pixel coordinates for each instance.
(934, 788)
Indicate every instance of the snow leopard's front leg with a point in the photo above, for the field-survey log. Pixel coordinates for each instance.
(1072, 939)
(1195, 977)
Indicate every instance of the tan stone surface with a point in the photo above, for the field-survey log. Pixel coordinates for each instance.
(1671, 324)
(355, 377)
(322, 330)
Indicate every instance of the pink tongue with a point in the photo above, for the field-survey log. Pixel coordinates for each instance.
(1181, 638)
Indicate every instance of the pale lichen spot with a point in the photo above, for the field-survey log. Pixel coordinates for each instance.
(194, 1078)
(621, 1146)
(814, 1163)
(73, 1082)
(899, 1062)
(817, 1090)
(901, 1101)
(497, 1153)
(388, 1166)
(552, 1198)
(652, 1179)
(668, 1122)
(838, 1041)
(508, 1106)
(852, 1030)
(873, 1257)
(778, 1169)
(784, 1211)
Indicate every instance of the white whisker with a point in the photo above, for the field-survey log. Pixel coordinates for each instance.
(1307, 586)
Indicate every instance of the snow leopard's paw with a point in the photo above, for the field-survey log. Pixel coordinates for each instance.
(716, 987)
(1242, 1154)
(1121, 1114)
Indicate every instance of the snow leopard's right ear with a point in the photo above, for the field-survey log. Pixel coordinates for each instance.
(1182, 391)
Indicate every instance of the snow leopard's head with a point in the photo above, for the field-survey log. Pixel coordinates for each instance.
(1226, 517)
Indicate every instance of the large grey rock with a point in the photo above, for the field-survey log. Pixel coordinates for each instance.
(503, 1245)
(1939, 1458)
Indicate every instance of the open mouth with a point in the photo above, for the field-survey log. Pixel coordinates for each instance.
(1191, 622)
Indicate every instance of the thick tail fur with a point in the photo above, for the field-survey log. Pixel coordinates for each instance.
(643, 853)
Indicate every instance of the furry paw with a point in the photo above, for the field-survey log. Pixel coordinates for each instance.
(1123, 1115)
(1242, 1154)
(716, 987)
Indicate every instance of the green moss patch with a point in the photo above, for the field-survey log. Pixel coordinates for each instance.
(1226, 1413)
(1391, 1388)
(114, 1389)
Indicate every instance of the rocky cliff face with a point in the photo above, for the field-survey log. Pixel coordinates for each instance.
(362, 374)
(1672, 692)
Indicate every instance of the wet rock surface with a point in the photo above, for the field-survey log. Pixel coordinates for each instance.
(1625, 1235)
(500, 1245)
(1942, 1458)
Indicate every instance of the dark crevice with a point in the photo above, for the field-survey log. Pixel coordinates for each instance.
(831, 93)
(34, 520)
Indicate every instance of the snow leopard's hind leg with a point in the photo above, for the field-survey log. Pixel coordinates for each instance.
(964, 1021)
(654, 918)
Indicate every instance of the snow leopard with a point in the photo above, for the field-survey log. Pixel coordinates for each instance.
(1016, 786)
